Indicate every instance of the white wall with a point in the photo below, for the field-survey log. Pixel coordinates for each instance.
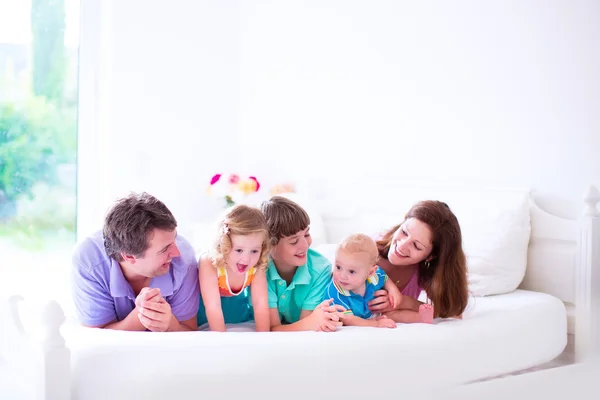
(503, 92)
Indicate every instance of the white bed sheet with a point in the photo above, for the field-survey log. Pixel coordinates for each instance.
(499, 334)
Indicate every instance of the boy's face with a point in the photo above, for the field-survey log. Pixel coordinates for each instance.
(291, 250)
(352, 269)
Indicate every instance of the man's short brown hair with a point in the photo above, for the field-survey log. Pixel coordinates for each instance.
(130, 222)
(284, 217)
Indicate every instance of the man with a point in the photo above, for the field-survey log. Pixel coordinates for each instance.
(136, 274)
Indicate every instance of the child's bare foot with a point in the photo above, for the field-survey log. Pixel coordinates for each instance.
(426, 313)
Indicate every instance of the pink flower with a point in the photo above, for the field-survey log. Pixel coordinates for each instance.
(257, 184)
(215, 179)
(233, 179)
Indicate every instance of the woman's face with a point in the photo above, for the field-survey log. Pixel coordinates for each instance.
(411, 243)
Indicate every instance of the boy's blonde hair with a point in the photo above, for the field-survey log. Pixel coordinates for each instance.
(240, 220)
(360, 243)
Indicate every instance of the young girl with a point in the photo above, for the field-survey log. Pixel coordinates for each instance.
(232, 275)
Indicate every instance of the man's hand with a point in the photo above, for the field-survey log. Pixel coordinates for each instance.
(156, 315)
(147, 294)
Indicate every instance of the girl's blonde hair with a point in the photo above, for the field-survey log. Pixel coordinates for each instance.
(239, 220)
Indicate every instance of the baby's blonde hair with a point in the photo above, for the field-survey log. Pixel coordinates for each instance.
(240, 220)
(360, 243)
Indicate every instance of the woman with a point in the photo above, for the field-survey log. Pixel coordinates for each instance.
(425, 252)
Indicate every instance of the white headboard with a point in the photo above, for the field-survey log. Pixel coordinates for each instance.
(552, 258)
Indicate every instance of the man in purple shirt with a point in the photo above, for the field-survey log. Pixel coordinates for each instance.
(136, 274)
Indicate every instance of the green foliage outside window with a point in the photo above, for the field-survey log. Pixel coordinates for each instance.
(38, 132)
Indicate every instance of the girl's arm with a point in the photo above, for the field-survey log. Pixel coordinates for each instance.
(260, 301)
(209, 288)
(303, 324)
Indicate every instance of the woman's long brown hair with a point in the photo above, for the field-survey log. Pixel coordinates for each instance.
(445, 279)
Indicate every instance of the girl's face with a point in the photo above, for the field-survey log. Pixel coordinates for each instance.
(245, 251)
(291, 250)
(411, 243)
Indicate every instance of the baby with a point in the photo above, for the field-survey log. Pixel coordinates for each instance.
(356, 277)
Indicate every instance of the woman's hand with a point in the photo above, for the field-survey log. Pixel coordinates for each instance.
(381, 302)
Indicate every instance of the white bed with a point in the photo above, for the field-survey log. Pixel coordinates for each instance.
(501, 333)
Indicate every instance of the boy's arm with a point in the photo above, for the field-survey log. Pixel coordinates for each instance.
(209, 288)
(260, 302)
(303, 324)
(315, 320)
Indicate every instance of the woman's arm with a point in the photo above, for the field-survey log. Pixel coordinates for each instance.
(260, 302)
(209, 288)
(409, 303)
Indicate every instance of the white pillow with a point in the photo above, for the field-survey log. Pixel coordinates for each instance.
(496, 241)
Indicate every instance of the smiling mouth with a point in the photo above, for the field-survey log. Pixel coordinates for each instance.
(301, 255)
(398, 252)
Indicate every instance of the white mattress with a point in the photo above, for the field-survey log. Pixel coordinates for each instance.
(499, 334)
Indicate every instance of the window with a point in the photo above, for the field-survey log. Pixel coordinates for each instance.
(39, 44)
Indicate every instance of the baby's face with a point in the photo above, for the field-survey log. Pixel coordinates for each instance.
(351, 270)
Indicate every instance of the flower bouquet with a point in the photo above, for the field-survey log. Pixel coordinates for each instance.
(232, 188)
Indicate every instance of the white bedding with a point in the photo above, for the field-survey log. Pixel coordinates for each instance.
(499, 334)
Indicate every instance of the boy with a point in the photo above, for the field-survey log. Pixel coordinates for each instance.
(297, 275)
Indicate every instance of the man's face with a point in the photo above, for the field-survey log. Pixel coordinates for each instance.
(156, 260)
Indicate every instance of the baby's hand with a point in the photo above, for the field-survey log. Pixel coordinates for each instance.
(385, 322)
(395, 298)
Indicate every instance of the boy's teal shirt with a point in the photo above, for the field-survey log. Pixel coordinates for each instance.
(305, 291)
